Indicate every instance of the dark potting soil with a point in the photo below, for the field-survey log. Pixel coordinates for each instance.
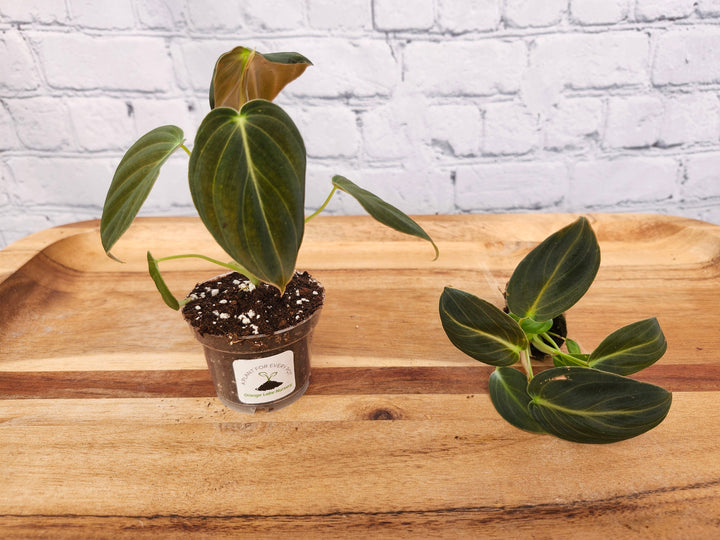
(231, 305)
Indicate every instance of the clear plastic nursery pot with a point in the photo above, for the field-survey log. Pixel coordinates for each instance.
(259, 371)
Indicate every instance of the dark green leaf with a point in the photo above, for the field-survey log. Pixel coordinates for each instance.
(479, 329)
(247, 179)
(590, 406)
(531, 326)
(242, 74)
(383, 212)
(631, 348)
(162, 287)
(133, 180)
(508, 393)
(556, 274)
(572, 346)
(578, 359)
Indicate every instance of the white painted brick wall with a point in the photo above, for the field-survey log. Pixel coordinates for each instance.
(438, 105)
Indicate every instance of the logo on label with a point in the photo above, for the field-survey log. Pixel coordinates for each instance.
(263, 380)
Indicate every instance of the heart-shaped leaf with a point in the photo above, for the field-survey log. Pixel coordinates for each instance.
(508, 393)
(247, 180)
(590, 406)
(631, 348)
(556, 274)
(383, 212)
(479, 329)
(133, 180)
(242, 74)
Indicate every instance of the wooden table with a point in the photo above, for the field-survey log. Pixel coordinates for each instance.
(109, 426)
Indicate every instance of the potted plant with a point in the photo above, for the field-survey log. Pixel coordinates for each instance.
(585, 398)
(247, 180)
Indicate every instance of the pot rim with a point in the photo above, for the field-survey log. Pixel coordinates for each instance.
(223, 340)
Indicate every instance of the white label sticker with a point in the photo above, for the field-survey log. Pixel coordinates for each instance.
(262, 380)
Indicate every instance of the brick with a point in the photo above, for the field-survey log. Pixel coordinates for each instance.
(77, 61)
(46, 180)
(359, 68)
(390, 15)
(18, 223)
(386, 132)
(42, 123)
(523, 13)
(194, 61)
(653, 10)
(8, 138)
(509, 129)
(572, 122)
(599, 11)
(151, 113)
(414, 190)
(334, 15)
(117, 14)
(689, 119)
(454, 129)
(213, 16)
(101, 123)
(617, 182)
(633, 122)
(161, 14)
(42, 11)
(16, 63)
(510, 186)
(458, 17)
(318, 185)
(687, 56)
(708, 8)
(276, 15)
(603, 60)
(5, 178)
(702, 177)
(478, 16)
(329, 131)
(465, 68)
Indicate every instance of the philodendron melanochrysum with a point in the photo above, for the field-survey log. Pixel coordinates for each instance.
(585, 398)
(246, 174)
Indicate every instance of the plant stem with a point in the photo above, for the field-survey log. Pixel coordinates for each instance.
(525, 361)
(185, 148)
(322, 207)
(231, 265)
(550, 347)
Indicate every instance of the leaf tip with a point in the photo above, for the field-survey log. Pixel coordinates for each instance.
(114, 258)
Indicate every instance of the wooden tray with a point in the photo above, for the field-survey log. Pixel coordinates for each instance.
(109, 425)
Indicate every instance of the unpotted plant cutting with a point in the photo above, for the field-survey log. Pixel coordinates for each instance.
(246, 175)
(586, 398)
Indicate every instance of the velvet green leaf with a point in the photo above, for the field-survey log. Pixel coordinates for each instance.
(508, 393)
(631, 348)
(247, 180)
(531, 326)
(243, 74)
(134, 179)
(590, 406)
(556, 274)
(383, 212)
(479, 329)
(162, 287)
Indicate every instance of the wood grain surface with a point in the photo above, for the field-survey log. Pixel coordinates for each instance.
(109, 427)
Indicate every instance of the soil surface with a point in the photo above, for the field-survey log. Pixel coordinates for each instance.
(231, 305)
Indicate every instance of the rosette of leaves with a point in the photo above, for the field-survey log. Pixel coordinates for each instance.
(584, 398)
(246, 174)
